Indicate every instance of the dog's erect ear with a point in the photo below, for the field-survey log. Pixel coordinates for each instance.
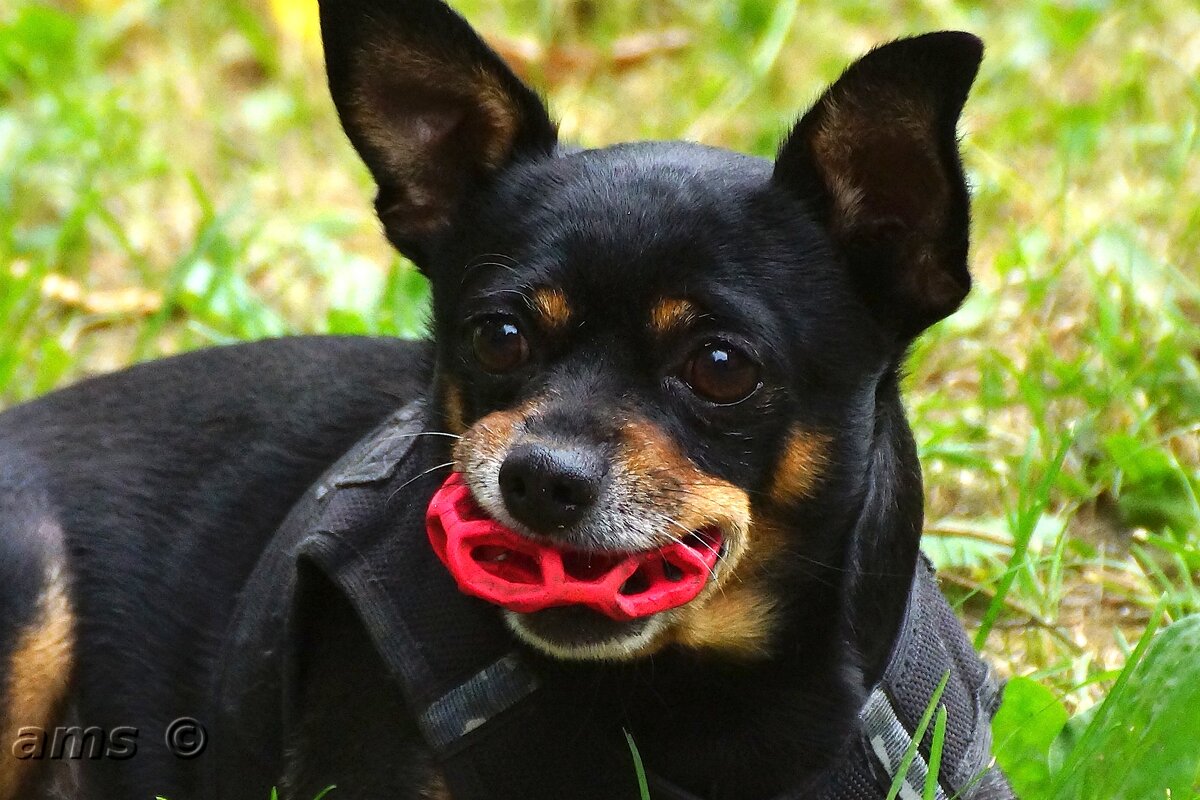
(430, 108)
(878, 156)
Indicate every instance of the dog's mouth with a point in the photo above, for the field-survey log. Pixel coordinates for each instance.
(515, 572)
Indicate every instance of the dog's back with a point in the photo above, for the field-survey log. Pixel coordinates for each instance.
(160, 482)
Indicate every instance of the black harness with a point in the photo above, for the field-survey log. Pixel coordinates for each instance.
(501, 726)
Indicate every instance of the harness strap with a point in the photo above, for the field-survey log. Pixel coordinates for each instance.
(489, 693)
(889, 743)
(932, 647)
(499, 728)
(483, 710)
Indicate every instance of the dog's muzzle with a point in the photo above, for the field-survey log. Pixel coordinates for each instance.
(494, 563)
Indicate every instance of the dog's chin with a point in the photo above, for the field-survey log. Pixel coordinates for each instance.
(581, 634)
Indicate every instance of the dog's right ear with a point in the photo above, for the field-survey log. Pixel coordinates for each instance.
(432, 110)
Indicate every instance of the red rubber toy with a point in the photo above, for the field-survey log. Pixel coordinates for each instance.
(497, 564)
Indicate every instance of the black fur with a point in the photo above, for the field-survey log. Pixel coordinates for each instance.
(169, 478)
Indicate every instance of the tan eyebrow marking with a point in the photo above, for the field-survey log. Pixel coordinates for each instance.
(801, 465)
(670, 313)
(552, 306)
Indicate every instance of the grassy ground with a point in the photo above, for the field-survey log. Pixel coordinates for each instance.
(172, 176)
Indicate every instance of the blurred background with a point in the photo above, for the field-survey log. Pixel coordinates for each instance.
(172, 176)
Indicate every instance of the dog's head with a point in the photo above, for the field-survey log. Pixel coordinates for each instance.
(657, 342)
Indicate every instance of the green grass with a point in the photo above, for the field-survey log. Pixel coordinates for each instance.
(638, 768)
(930, 788)
(172, 176)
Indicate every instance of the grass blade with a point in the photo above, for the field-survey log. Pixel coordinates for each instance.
(911, 753)
(643, 787)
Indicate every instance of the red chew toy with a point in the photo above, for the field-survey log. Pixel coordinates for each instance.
(499, 565)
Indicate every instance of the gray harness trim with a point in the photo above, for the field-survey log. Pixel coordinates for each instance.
(889, 742)
(491, 691)
(920, 646)
(979, 752)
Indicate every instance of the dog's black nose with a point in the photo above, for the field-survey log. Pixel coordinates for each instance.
(548, 487)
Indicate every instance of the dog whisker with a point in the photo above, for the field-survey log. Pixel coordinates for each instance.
(419, 475)
(427, 433)
(716, 552)
(483, 260)
(497, 255)
(524, 295)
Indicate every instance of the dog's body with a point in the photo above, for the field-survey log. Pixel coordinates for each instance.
(139, 511)
(631, 345)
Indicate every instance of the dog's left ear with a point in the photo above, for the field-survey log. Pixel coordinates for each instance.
(432, 110)
(878, 157)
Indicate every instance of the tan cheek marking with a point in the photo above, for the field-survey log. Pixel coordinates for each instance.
(741, 618)
(671, 313)
(767, 538)
(452, 407)
(40, 669)
(436, 789)
(655, 465)
(487, 438)
(738, 622)
(551, 305)
(802, 463)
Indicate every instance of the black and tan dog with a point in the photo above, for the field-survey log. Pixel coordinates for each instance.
(630, 345)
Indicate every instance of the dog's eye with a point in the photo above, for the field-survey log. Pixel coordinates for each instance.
(499, 344)
(721, 373)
